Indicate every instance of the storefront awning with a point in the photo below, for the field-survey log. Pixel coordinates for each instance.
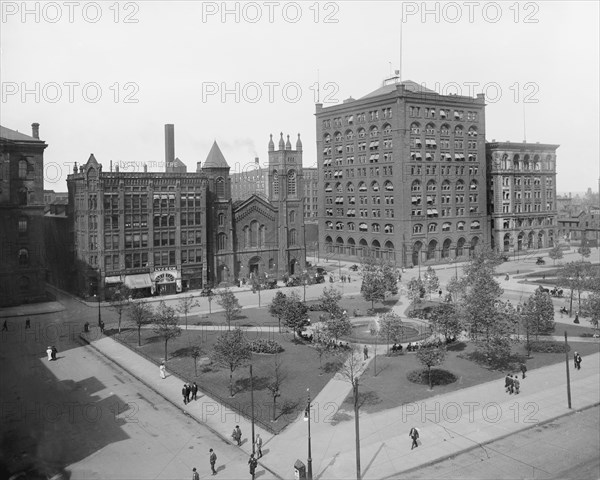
(138, 281)
(109, 280)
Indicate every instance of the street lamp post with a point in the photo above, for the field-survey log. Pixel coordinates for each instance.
(99, 312)
(252, 405)
(307, 418)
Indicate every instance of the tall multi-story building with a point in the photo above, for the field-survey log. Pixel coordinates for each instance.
(252, 180)
(22, 250)
(403, 175)
(172, 231)
(521, 195)
(311, 194)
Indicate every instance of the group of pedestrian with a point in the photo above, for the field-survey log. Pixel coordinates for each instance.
(237, 435)
(189, 392)
(52, 352)
(577, 361)
(345, 278)
(512, 384)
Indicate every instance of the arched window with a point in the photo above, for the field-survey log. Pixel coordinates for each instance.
(329, 225)
(389, 228)
(361, 133)
(221, 241)
(328, 187)
(339, 226)
(339, 188)
(292, 183)
(338, 136)
(475, 225)
(375, 228)
(458, 131)
(446, 227)
(460, 226)
(415, 129)
(327, 138)
(460, 186)
(363, 227)
(22, 224)
(23, 194)
(389, 186)
(516, 163)
(445, 130)
(292, 216)
(23, 256)
(430, 129)
(254, 233)
(246, 236)
(431, 186)
(432, 228)
(473, 185)
(220, 187)
(221, 218)
(276, 183)
(349, 134)
(293, 239)
(362, 187)
(445, 186)
(349, 187)
(375, 186)
(472, 132)
(262, 235)
(373, 132)
(387, 129)
(22, 168)
(351, 226)
(416, 186)
(418, 228)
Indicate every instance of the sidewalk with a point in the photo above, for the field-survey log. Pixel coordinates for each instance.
(29, 309)
(448, 424)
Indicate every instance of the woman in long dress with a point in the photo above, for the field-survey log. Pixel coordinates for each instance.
(49, 352)
(162, 370)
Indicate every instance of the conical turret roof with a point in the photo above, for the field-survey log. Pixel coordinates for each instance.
(215, 158)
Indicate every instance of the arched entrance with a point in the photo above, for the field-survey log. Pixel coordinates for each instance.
(351, 246)
(459, 246)
(294, 266)
(222, 273)
(254, 266)
(165, 284)
(376, 248)
(431, 248)
(390, 254)
(474, 243)
(364, 247)
(339, 245)
(446, 248)
(416, 254)
(506, 242)
(541, 239)
(530, 240)
(520, 241)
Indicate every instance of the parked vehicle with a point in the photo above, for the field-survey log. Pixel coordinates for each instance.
(540, 261)
(505, 258)
(354, 267)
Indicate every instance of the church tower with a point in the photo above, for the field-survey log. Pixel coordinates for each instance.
(286, 191)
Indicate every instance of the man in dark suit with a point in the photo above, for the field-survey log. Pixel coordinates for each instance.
(184, 392)
(194, 391)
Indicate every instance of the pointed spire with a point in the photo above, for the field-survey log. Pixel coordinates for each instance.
(299, 144)
(281, 142)
(271, 144)
(288, 144)
(215, 158)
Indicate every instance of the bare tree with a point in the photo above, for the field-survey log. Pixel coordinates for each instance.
(278, 376)
(140, 314)
(321, 343)
(119, 302)
(431, 356)
(165, 324)
(349, 372)
(196, 353)
(185, 305)
(230, 305)
(232, 351)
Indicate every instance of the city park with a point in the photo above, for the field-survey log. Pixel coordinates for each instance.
(394, 337)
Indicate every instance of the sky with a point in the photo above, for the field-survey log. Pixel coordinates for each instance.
(105, 77)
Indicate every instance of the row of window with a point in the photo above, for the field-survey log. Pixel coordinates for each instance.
(362, 227)
(444, 170)
(443, 113)
(362, 187)
(362, 117)
(526, 208)
(430, 129)
(362, 200)
(432, 211)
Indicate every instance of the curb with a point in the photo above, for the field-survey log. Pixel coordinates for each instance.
(481, 445)
(177, 406)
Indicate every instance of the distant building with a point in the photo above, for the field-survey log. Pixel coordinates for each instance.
(55, 201)
(252, 180)
(582, 225)
(162, 233)
(311, 194)
(522, 195)
(22, 248)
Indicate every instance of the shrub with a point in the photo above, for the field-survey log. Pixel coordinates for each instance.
(439, 376)
(263, 345)
(316, 307)
(548, 347)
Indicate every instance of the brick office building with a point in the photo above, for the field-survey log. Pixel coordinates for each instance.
(522, 195)
(402, 175)
(22, 250)
(172, 231)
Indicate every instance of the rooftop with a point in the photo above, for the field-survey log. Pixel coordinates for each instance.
(13, 135)
(215, 158)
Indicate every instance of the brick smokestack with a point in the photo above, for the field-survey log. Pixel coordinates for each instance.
(169, 147)
(35, 130)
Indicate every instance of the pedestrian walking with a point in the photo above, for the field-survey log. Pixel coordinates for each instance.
(508, 383)
(523, 369)
(366, 352)
(577, 359)
(49, 352)
(258, 444)
(5, 326)
(162, 370)
(517, 384)
(184, 393)
(576, 318)
(440, 293)
(237, 435)
(101, 323)
(213, 460)
(414, 434)
(188, 392)
(195, 475)
(54, 352)
(194, 391)
(28, 323)
(252, 463)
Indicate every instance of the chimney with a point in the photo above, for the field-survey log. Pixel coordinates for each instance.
(110, 166)
(35, 130)
(169, 146)
(145, 167)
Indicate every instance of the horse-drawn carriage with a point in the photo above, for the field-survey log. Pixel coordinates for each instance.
(556, 292)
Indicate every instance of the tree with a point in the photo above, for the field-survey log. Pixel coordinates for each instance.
(390, 328)
(232, 351)
(431, 356)
(330, 300)
(278, 376)
(295, 313)
(480, 304)
(321, 343)
(539, 312)
(372, 288)
(591, 308)
(230, 305)
(445, 319)
(277, 307)
(350, 372)
(196, 353)
(140, 314)
(338, 326)
(185, 305)
(456, 287)
(119, 301)
(584, 250)
(575, 276)
(165, 324)
(378, 280)
(257, 283)
(415, 290)
(431, 281)
(556, 253)
(210, 297)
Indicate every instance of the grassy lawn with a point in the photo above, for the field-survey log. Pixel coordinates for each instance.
(390, 388)
(299, 362)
